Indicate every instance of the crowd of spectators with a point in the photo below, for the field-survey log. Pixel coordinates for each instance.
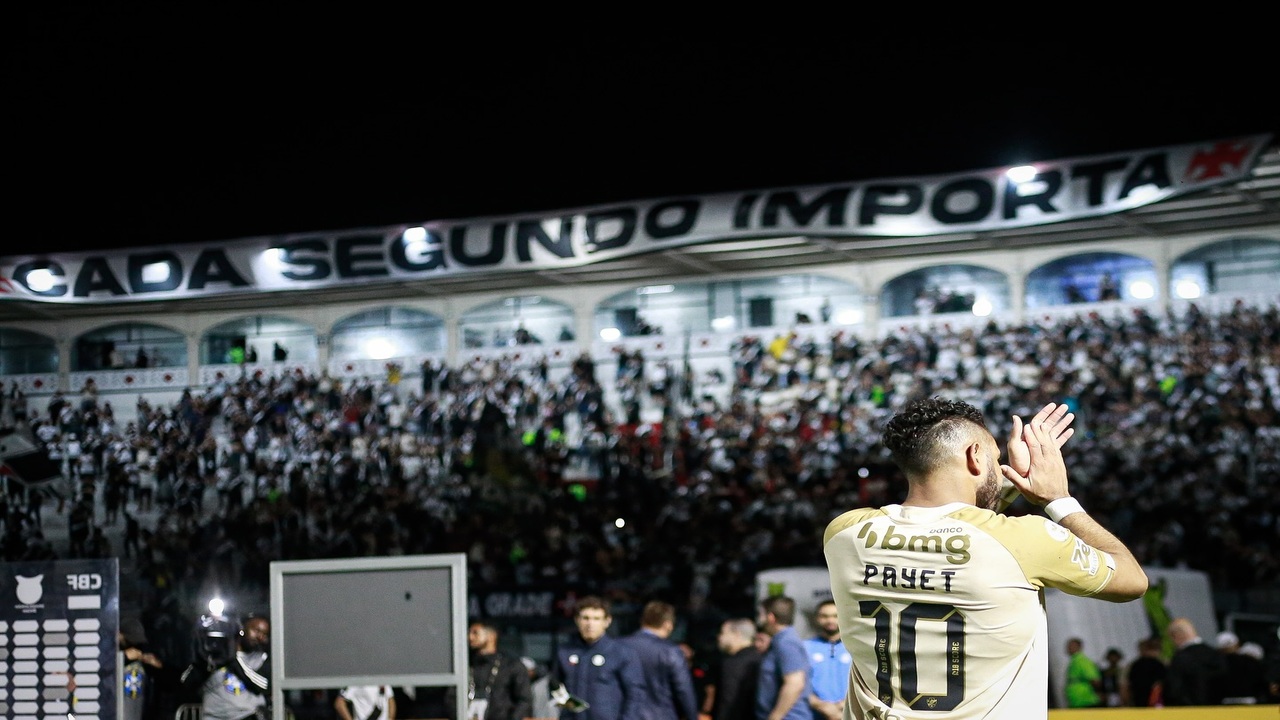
(528, 470)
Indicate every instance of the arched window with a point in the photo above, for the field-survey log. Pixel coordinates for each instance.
(517, 320)
(947, 288)
(385, 333)
(23, 352)
(258, 339)
(129, 345)
(728, 305)
(1238, 265)
(1091, 277)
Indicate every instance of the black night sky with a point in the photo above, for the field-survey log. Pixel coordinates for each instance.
(161, 125)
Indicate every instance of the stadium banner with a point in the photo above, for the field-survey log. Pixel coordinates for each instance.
(905, 207)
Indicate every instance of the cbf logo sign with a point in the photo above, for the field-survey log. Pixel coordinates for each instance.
(29, 591)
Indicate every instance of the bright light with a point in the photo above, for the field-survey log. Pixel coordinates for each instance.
(619, 523)
(982, 307)
(415, 243)
(40, 279)
(156, 272)
(1187, 289)
(1141, 289)
(216, 606)
(610, 334)
(848, 317)
(273, 257)
(1021, 173)
(723, 324)
(379, 348)
(1144, 193)
(656, 289)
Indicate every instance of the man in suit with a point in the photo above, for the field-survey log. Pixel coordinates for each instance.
(1196, 672)
(668, 682)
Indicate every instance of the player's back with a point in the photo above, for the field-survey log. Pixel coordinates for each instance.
(941, 608)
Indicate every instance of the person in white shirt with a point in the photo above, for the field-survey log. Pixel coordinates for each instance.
(366, 702)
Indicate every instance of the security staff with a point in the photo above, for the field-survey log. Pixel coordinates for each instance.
(600, 670)
(830, 662)
(498, 684)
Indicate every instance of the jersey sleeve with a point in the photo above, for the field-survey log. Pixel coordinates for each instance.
(847, 520)
(1052, 556)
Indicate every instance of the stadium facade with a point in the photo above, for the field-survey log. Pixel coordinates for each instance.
(677, 278)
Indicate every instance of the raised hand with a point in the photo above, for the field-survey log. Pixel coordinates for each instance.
(1056, 422)
(1046, 477)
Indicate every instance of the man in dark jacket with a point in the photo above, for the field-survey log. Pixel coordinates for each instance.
(1196, 672)
(498, 682)
(667, 678)
(602, 671)
(734, 696)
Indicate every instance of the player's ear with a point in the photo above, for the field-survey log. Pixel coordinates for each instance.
(973, 458)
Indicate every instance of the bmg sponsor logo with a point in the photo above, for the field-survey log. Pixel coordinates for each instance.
(954, 547)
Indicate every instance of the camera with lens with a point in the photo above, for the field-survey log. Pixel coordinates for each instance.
(215, 637)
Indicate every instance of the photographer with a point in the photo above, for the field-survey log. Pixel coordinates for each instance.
(234, 679)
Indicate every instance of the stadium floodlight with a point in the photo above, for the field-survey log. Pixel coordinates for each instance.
(656, 289)
(723, 324)
(156, 272)
(1021, 173)
(1142, 290)
(40, 279)
(379, 348)
(1188, 289)
(849, 317)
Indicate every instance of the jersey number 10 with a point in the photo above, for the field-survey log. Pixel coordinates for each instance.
(910, 670)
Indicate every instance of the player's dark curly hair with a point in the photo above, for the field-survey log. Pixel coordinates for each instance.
(919, 436)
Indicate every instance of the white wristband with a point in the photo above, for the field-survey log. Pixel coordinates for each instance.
(1062, 507)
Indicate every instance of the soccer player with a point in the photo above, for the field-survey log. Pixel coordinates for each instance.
(940, 598)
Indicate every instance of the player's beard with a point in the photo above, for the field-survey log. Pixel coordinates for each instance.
(988, 495)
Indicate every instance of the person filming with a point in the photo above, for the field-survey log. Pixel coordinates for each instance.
(234, 683)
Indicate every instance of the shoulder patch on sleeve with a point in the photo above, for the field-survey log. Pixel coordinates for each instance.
(1056, 531)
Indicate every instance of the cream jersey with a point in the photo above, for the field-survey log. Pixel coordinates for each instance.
(942, 608)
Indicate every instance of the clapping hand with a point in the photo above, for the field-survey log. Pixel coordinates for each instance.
(1036, 468)
(1057, 422)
